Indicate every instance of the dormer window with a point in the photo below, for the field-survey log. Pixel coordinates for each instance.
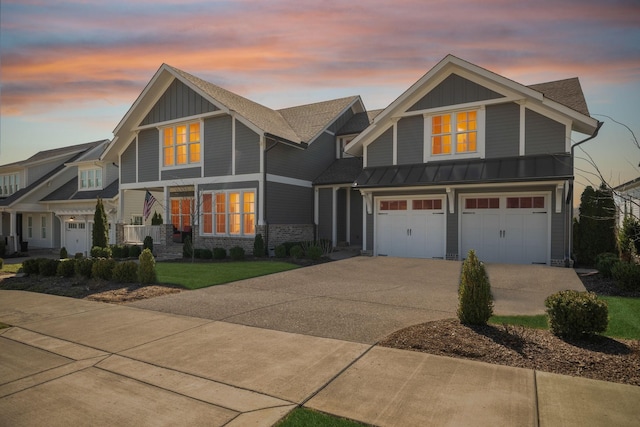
(9, 184)
(181, 144)
(90, 179)
(454, 134)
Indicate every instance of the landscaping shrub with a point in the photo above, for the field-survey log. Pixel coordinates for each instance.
(99, 252)
(296, 251)
(84, 267)
(236, 253)
(148, 243)
(629, 238)
(314, 252)
(627, 276)
(574, 314)
(116, 251)
(281, 251)
(1, 263)
(103, 268)
(187, 248)
(78, 255)
(206, 254)
(289, 245)
(63, 253)
(66, 268)
(219, 253)
(134, 251)
(125, 272)
(31, 266)
(258, 246)
(48, 267)
(3, 247)
(605, 263)
(147, 269)
(475, 303)
(125, 251)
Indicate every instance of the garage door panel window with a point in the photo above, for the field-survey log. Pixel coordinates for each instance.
(536, 202)
(482, 203)
(427, 204)
(393, 205)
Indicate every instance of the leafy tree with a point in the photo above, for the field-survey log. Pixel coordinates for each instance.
(595, 230)
(100, 235)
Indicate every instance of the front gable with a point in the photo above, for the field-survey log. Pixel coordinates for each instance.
(178, 101)
(454, 90)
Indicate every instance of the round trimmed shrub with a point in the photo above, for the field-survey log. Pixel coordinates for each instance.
(574, 314)
(296, 251)
(627, 276)
(475, 302)
(99, 252)
(78, 255)
(281, 251)
(236, 253)
(206, 254)
(48, 267)
(125, 272)
(63, 253)
(103, 268)
(147, 269)
(84, 266)
(187, 248)
(219, 253)
(66, 268)
(314, 252)
(116, 251)
(605, 263)
(31, 266)
(134, 251)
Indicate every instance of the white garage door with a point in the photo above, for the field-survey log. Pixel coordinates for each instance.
(75, 238)
(412, 228)
(506, 229)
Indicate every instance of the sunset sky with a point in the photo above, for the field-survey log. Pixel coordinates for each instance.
(70, 70)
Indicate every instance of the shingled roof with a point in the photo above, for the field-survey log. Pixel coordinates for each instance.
(567, 92)
(69, 191)
(310, 119)
(341, 171)
(358, 122)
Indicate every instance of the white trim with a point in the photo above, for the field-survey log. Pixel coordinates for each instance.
(189, 164)
(480, 137)
(559, 197)
(466, 106)
(171, 122)
(233, 143)
(334, 216)
(261, 183)
(451, 194)
(289, 181)
(138, 158)
(394, 143)
(364, 222)
(242, 213)
(348, 219)
(523, 114)
(316, 208)
(192, 181)
(329, 132)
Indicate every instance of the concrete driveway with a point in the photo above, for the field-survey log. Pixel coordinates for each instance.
(362, 299)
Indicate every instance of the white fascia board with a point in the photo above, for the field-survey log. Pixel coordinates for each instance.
(289, 181)
(191, 181)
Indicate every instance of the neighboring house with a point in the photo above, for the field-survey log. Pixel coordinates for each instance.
(467, 159)
(220, 166)
(27, 221)
(627, 198)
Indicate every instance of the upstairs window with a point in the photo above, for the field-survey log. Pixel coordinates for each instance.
(9, 184)
(454, 133)
(181, 144)
(91, 179)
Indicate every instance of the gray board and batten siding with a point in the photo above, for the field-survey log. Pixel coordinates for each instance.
(178, 101)
(380, 151)
(410, 140)
(454, 90)
(502, 130)
(289, 204)
(247, 150)
(128, 165)
(543, 135)
(325, 213)
(217, 146)
(148, 155)
(306, 164)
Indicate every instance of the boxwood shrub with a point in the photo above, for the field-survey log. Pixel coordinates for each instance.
(219, 253)
(125, 272)
(147, 269)
(48, 267)
(63, 253)
(574, 314)
(627, 276)
(31, 266)
(314, 252)
(236, 253)
(98, 252)
(296, 251)
(103, 268)
(281, 251)
(66, 268)
(134, 251)
(605, 263)
(84, 266)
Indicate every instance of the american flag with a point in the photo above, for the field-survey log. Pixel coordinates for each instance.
(149, 200)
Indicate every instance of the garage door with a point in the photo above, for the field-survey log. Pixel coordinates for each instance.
(411, 227)
(506, 229)
(75, 237)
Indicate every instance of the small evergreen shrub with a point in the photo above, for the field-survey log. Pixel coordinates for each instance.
(31, 266)
(116, 251)
(281, 251)
(206, 254)
(187, 248)
(147, 269)
(103, 268)
(66, 268)
(99, 252)
(296, 251)
(219, 253)
(124, 251)
(84, 267)
(236, 253)
(134, 251)
(48, 267)
(78, 255)
(1, 263)
(148, 243)
(3, 247)
(574, 314)
(605, 263)
(627, 276)
(63, 253)
(125, 272)
(475, 303)
(258, 246)
(156, 219)
(314, 252)
(289, 245)
(197, 253)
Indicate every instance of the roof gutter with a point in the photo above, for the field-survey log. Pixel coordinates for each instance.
(298, 145)
(569, 203)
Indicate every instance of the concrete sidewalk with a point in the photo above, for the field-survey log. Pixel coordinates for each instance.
(74, 362)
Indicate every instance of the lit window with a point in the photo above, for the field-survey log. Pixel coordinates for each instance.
(461, 127)
(181, 144)
(234, 213)
(181, 209)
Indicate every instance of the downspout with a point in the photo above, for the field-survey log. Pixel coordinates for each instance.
(264, 194)
(569, 202)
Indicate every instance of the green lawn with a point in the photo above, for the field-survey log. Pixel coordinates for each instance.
(11, 268)
(200, 275)
(305, 417)
(624, 318)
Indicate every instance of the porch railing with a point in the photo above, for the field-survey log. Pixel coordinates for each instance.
(137, 233)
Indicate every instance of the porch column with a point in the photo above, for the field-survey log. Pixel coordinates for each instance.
(334, 216)
(364, 223)
(167, 206)
(348, 236)
(120, 207)
(12, 230)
